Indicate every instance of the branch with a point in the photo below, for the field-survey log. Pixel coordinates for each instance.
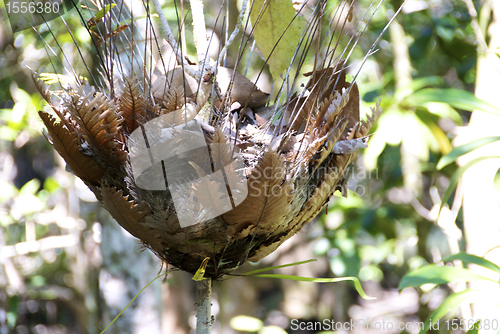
(200, 37)
(235, 32)
(170, 38)
(203, 306)
(475, 26)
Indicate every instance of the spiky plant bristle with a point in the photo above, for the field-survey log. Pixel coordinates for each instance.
(294, 152)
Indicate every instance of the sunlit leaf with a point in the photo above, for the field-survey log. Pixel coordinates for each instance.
(442, 140)
(7, 133)
(246, 324)
(455, 97)
(420, 83)
(475, 328)
(458, 175)
(8, 190)
(444, 110)
(464, 149)
(100, 14)
(449, 304)
(200, 273)
(52, 78)
(469, 258)
(277, 32)
(417, 137)
(438, 275)
(30, 187)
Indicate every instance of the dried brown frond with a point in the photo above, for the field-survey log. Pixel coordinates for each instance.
(221, 150)
(350, 112)
(324, 82)
(330, 143)
(173, 100)
(188, 111)
(330, 110)
(371, 118)
(131, 104)
(130, 215)
(268, 200)
(319, 198)
(99, 120)
(66, 143)
(209, 194)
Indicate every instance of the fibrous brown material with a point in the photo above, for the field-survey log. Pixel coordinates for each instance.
(292, 166)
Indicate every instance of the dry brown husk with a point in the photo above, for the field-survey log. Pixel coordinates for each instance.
(90, 129)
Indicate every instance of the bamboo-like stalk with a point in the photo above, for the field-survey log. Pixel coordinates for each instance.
(204, 306)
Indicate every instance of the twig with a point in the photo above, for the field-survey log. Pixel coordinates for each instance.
(203, 306)
(170, 38)
(235, 32)
(475, 26)
(200, 37)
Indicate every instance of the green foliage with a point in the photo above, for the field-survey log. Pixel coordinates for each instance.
(277, 31)
(464, 149)
(457, 98)
(469, 258)
(432, 274)
(458, 175)
(451, 302)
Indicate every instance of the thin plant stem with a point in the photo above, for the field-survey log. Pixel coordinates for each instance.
(235, 32)
(170, 38)
(204, 306)
(475, 26)
(200, 36)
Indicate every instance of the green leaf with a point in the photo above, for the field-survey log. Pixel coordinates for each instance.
(52, 78)
(455, 97)
(100, 14)
(420, 83)
(30, 187)
(200, 273)
(464, 149)
(438, 275)
(277, 267)
(458, 175)
(277, 32)
(450, 303)
(355, 280)
(444, 110)
(475, 328)
(469, 258)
